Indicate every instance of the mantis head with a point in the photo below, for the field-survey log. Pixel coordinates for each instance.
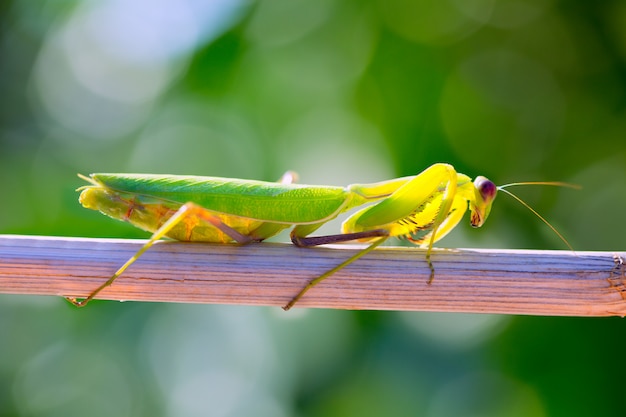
(484, 193)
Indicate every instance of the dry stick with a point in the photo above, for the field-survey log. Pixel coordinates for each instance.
(478, 281)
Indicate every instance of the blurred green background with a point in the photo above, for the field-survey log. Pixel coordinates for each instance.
(341, 92)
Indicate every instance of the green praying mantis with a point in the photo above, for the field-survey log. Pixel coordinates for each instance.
(421, 209)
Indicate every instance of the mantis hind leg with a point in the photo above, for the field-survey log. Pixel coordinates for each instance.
(185, 211)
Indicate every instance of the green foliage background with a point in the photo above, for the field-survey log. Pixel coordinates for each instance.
(341, 92)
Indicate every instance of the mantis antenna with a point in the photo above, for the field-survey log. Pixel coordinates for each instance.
(522, 202)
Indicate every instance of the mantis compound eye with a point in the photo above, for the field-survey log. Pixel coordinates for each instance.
(486, 188)
(484, 193)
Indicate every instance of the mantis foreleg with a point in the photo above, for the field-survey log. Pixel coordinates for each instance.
(420, 204)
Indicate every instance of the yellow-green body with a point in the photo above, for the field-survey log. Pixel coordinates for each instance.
(148, 201)
(421, 208)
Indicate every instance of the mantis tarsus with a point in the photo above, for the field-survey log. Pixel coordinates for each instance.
(421, 209)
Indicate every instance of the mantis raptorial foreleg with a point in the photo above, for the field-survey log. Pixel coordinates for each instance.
(419, 209)
(408, 206)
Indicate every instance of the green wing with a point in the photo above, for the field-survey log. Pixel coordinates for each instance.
(267, 201)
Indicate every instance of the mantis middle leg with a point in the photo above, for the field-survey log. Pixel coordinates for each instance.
(419, 209)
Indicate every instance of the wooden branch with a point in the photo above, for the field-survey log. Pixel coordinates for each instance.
(476, 281)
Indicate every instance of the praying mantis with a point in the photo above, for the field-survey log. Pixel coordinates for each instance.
(421, 209)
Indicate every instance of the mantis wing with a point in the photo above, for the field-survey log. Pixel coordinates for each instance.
(257, 200)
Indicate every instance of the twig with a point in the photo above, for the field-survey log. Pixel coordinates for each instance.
(477, 281)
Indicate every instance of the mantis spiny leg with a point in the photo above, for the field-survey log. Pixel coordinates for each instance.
(185, 211)
(328, 273)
